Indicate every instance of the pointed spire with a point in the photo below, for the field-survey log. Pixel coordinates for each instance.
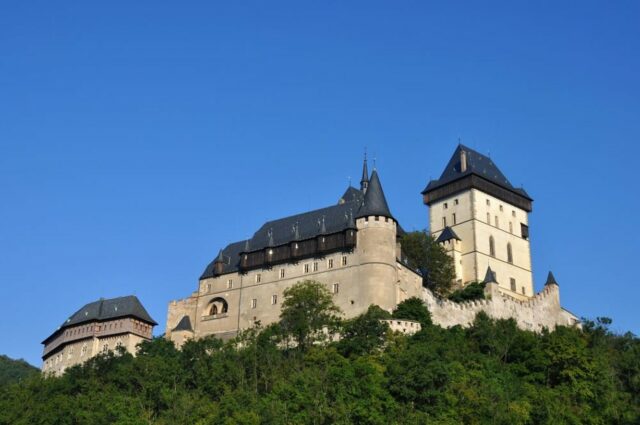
(270, 242)
(551, 280)
(247, 248)
(296, 231)
(446, 235)
(364, 183)
(220, 257)
(323, 227)
(374, 201)
(490, 277)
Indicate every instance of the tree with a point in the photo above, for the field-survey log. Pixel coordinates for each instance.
(472, 291)
(424, 254)
(365, 333)
(307, 311)
(413, 309)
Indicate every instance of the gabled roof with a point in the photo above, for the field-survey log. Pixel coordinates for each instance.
(477, 164)
(447, 234)
(333, 219)
(351, 195)
(183, 325)
(374, 202)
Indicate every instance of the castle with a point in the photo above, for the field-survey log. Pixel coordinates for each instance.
(354, 248)
(97, 327)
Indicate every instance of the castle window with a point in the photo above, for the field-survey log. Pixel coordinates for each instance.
(281, 273)
(488, 218)
(525, 231)
(455, 201)
(513, 213)
(344, 260)
(510, 227)
(492, 247)
(274, 299)
(488, 202)
(218, 306)
(446, 205)
(306, 268)
(386, 219)
(497, 222)
(208, 287)
(330, 263)
(105, 348)
(254, 303)
(523, 291)
(336, 288)
(513, 284)
(366, 219)
(509, 253)
(444, 221)
(230, 284)
(454, 218)
(377, 218)
(500, 207)
(258, 278)
(315, 266)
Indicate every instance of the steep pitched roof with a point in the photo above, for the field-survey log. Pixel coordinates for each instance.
(183, 325)
(109, 309)
(351, 195)
(490, 277)
(447, 234)
(477, 164)
(374, 202)
(551, 280)
(333, 219)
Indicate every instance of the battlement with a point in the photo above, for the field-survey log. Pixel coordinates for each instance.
(541, 311)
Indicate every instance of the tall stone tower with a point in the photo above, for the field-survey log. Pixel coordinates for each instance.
(482, 221)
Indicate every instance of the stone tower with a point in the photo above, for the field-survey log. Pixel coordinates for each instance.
(482, 221)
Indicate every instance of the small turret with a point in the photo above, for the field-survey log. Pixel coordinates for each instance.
(364, 182)
(374, 202)
(551, 280)
(218, 265)
(490, 276)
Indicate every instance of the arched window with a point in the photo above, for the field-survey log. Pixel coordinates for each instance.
(217, 306)
(492, 247)
(509, 253)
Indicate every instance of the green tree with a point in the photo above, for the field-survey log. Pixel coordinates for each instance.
(424, 254)
(413, 309)
(308, 313)
(472, 291)
(364, 334)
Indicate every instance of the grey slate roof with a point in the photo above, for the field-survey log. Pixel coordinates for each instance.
(447, 234)
(336, 218)
(110, 309)
(374, 202)
(183, 325)
(477, 164)
(490, 277)
(551, 280)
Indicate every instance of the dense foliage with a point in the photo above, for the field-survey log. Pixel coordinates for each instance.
(472, 291)
(491, 372)
(14, 370)
(424, 254)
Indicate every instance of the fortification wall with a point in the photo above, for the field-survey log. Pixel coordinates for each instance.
(541, 311)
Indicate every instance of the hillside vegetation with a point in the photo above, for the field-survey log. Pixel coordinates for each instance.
(14, 370)
(290, 373)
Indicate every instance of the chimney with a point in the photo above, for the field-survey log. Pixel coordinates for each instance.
(463, 161)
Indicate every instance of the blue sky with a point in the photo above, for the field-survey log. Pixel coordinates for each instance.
(137, 138)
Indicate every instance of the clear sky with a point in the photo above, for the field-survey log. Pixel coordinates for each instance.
(138, 138)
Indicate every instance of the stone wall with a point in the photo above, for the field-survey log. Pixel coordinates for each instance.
(541, 311)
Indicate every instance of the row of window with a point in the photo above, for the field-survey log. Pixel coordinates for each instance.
(307, 268)
(335, 288)
(513, 284)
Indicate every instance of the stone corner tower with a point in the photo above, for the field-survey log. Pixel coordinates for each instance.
(482, 221)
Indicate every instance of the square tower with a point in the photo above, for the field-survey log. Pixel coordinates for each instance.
(482, 221)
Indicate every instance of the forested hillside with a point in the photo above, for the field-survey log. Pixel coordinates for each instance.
(14, 370)
(491, 373)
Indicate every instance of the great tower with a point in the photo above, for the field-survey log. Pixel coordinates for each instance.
(483, 222)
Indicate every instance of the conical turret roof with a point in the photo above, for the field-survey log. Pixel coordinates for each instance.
(374, 202)
(551, 280)
(490, 277)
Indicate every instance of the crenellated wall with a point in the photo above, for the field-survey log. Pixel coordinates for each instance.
(543, 310)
